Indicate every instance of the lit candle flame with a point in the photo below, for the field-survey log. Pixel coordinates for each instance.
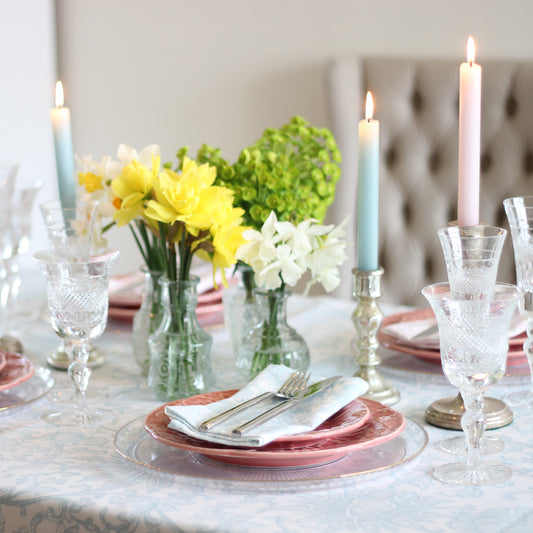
(60, 98)
(470, 50)
(369, 109)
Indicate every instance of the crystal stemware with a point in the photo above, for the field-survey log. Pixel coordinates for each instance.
(78, 302)
(8, 174)
(474, 344)
(519, 212)
(70, 233)
(472, 255)
(14, 312)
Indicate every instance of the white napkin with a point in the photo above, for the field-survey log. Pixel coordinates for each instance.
(406, 331)
(304, 415)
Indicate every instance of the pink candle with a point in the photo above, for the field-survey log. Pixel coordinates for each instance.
(469, 139)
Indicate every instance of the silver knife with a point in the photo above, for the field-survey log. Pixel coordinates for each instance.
(281, 407)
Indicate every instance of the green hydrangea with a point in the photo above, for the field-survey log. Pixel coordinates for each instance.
(292, 171)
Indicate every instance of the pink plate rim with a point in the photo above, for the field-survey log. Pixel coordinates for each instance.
(384, 424)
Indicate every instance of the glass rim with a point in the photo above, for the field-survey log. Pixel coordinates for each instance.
(50, 257)
(494, 233)
(430, 290)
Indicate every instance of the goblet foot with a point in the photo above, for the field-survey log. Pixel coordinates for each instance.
(457, 445)
(463, 474)
(78, 417)
(520, 399)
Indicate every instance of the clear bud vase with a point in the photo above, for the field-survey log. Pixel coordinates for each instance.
(272, 340)
(147, 319)
(240, 309)
(180, 350)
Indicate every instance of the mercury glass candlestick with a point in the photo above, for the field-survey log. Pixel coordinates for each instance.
(367, 318)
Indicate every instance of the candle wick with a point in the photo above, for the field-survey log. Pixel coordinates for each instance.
(471, 64)
(369, 120)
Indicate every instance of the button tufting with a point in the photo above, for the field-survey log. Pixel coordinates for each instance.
(528, 163)
(416, 101)
(511, 106)
(486, 162)
(434, 162)
(390, 157)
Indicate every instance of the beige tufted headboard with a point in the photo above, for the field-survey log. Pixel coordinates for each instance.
(417, 104)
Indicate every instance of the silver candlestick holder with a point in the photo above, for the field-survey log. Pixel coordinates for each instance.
(367, 318)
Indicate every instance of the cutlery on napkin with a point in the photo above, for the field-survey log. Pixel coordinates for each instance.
(305, 415)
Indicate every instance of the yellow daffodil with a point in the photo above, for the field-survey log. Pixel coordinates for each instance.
(90, 181)
(133, 187)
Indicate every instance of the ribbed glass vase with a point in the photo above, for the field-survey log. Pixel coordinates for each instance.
(147, 318)
(180, 350)
(272, 340)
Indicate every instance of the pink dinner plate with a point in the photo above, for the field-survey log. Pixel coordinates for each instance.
(3, 361)
(18, 368)
(383, 425)
(208, 315)
(515, 356)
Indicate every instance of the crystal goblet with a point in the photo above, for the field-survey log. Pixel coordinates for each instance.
(70, 233)
(519, 212)
(472, 255)
(78, 302)
(8, 175)
(70, 229)
(474, 344)
(16, 313)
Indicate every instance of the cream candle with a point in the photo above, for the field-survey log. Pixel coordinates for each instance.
(469, 139)
(60, 117)
(368, 190)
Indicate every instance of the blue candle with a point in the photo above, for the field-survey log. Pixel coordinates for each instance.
(368, 190)
(66, 182)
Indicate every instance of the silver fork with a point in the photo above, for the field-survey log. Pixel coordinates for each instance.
(285, 392)
(297, 389)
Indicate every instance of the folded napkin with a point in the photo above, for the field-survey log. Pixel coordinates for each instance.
(407, 330)
(304, 415)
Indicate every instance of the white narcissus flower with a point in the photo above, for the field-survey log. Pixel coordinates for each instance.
(282, 252)
(126, 154)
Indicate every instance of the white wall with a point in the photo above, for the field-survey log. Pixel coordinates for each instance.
(184, 72)
(28, 74)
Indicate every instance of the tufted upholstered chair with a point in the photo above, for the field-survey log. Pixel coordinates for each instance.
(417, 104)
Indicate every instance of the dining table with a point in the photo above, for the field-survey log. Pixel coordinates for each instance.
(114, 477)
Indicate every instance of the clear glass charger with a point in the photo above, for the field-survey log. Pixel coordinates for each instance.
(36, 387)
(134, 444)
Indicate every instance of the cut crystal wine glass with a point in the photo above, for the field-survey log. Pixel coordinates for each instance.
(78, 302)
(472, 255)
(474, 344)
(519, 212)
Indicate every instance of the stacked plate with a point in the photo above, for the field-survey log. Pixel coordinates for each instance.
(360, 425)
(20, 381)
(393, 335)
(126, 296)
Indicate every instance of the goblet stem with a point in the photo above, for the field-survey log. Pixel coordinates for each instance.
(80, 373)
(473, 424)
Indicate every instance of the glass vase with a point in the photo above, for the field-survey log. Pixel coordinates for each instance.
(180, 350)
(240, 308)
(147, 318)
(272, 340)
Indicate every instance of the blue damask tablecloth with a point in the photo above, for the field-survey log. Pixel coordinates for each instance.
(59, 479)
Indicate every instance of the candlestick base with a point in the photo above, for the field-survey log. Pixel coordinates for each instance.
(367, 318)
(447, 412)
